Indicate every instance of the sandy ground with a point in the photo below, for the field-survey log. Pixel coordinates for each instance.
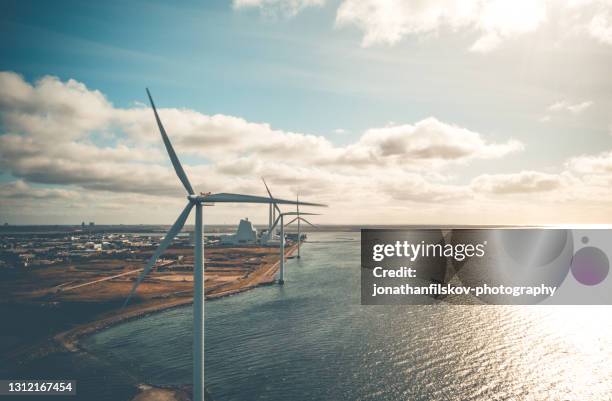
(149, 393)
(264, 275)
(182, 393)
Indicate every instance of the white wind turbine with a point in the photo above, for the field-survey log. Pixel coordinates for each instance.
(299, 219)
(280, 219)
(198, 271)
(272, 209)
(271, 218)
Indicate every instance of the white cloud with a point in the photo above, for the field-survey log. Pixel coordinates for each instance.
(422, 189)
(80, 152)
(591, 164)
(385, 21)
(517, 183)
(52, 110)
(558, 105)
(579, 107)
(600, 26)
(428, 139)
(493, 21)
(63, 133)
(21, 190)
(567, 106)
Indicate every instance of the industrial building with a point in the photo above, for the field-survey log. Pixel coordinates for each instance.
(245, 235)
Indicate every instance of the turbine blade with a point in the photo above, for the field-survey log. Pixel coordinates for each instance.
(300, 214)
(238, 198)
(274, 226)
(294, 219)
(174, 230)
(270, 193)
(267, 189)
(173, 157)
(307, 222)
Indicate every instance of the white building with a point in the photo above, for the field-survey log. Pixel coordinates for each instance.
(268, 239)
(245, 235)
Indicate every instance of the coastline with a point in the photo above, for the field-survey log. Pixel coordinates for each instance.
(69, 339)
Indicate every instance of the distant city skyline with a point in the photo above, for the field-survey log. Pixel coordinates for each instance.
(441, 112)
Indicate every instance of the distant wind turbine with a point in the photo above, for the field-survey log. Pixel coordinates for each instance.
(272, 209)
(198, 271)
(299, 219)
(280, 219)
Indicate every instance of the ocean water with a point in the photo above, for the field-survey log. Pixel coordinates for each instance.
(312, 340)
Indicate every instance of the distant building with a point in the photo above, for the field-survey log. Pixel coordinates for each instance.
(266, 241)
(91, 224)
(245, 235)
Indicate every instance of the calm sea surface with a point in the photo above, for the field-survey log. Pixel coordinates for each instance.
(311, 340)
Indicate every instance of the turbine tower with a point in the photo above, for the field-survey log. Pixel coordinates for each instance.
(198, 271)
(299, 219)
(280, 218)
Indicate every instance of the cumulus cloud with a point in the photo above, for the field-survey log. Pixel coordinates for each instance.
(64, 133)
(422, 189)
(591, 164)
(221, 137)
(385, 21)
(426, 140)
(491, 21)
(69, 145)
(52, 110)
(517, 183)
(600, 25)
(20, 190)
(582, 183)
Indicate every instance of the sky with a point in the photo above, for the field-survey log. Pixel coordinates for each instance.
(391, 112)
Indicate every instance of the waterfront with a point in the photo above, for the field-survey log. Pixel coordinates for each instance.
(311, 340)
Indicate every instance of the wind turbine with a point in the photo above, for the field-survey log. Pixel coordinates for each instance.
(272, 209)
(299, 219)
(198, 271)
(280, 218)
